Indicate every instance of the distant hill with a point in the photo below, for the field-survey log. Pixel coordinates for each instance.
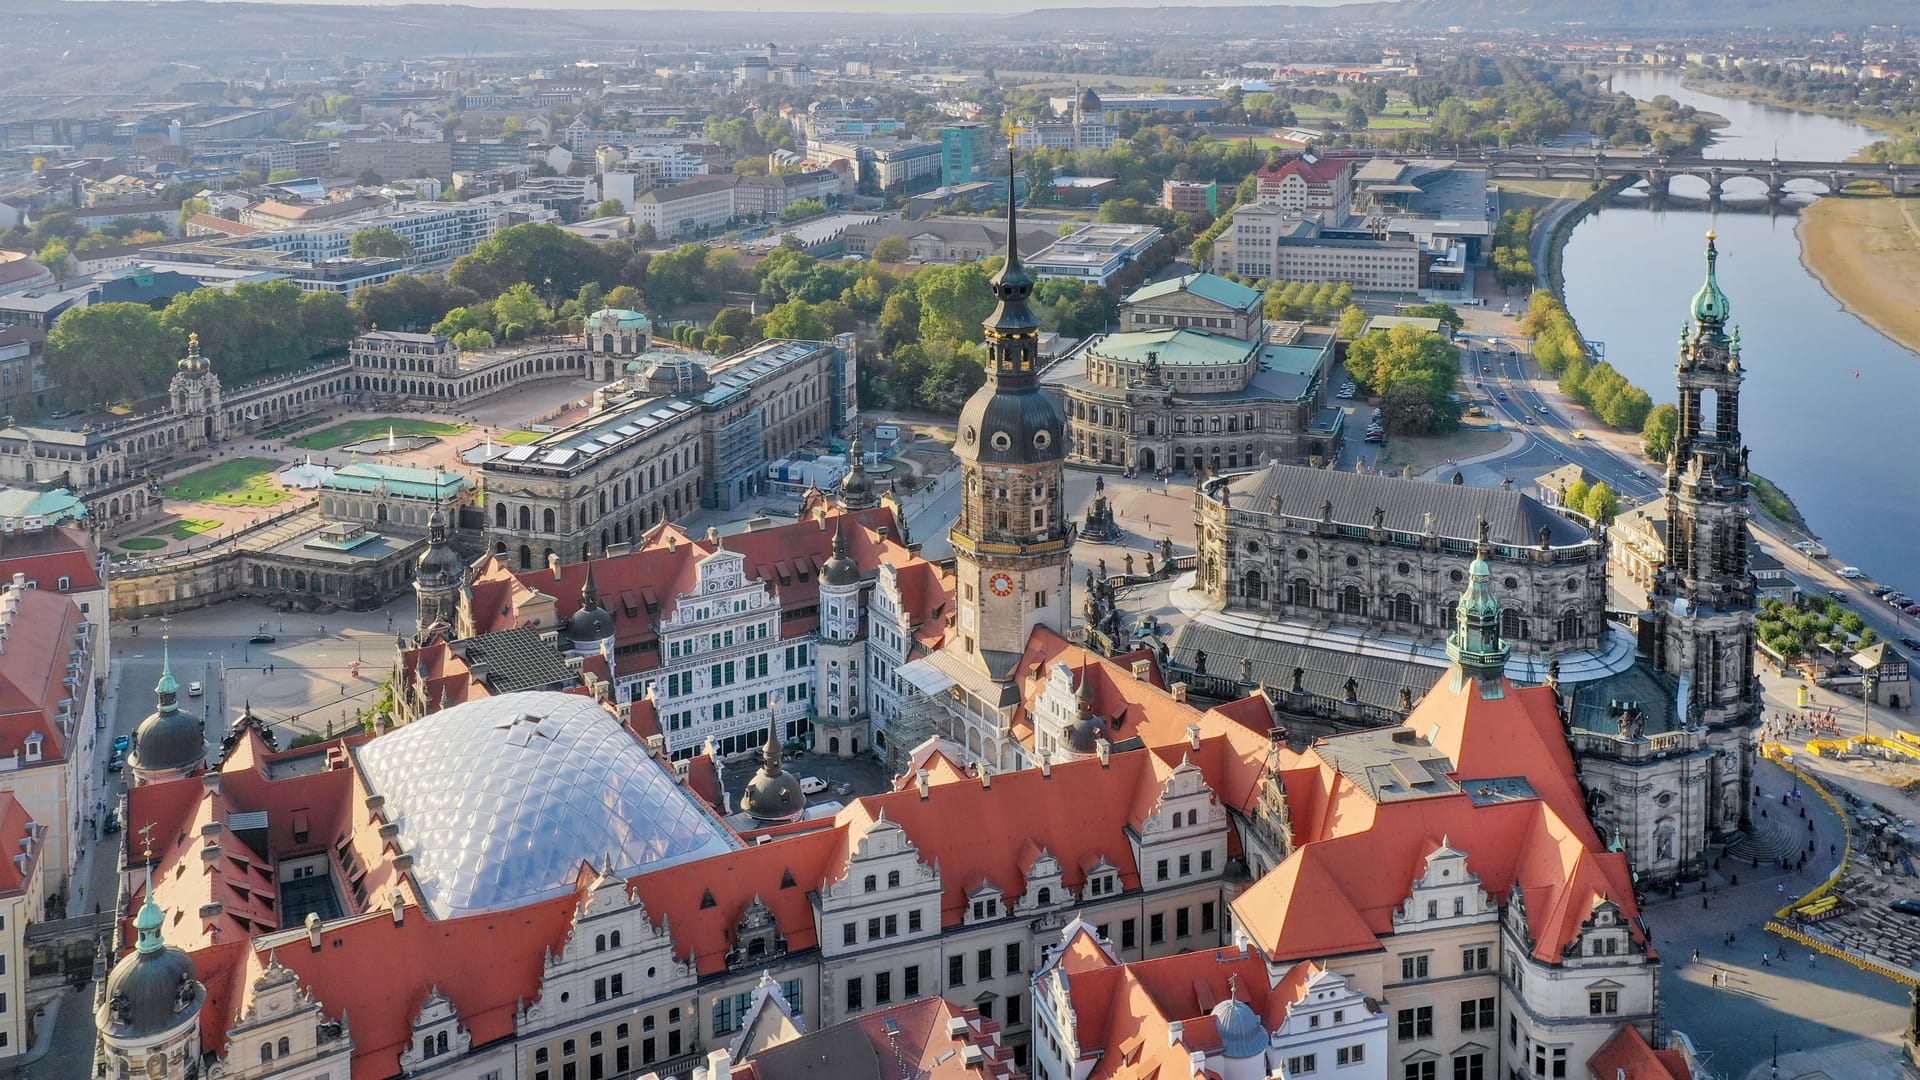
(1500, 14)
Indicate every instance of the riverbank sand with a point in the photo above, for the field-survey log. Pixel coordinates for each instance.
(1866, 251)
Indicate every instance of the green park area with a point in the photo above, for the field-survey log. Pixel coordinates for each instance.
(186, 528)
(143, 543)
(519, 438)
(356, 430)
(246, 481)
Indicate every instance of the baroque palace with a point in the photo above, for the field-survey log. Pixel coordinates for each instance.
(524, 884)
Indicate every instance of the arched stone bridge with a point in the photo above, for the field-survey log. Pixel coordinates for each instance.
(1659, 171)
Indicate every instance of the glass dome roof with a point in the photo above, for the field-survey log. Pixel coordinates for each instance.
(500, 800)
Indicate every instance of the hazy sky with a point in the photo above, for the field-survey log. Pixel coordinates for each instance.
(893, 7)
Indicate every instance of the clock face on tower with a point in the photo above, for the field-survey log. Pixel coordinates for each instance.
(1001, 584)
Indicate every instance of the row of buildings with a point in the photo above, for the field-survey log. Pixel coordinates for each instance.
(1100, 871)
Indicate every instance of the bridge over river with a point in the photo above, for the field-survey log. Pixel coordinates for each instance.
(1660, 170)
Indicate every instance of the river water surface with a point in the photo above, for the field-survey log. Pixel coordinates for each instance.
(1830, 406)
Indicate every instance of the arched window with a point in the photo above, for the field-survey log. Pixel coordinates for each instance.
(1251, 587)
(286, 1045)
(600, 943)
(893, 879)
(1300, 592)
(500, 515)
(266, 1052)
(1512, 626)
(440, 1043)
(1352, 601)
(614, 940)
(1046, 896)
(1570, 626)
(1404, 609)
(546, 519)
(526, 518)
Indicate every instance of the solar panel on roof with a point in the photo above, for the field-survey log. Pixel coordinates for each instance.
(558, 457)
(519, 453)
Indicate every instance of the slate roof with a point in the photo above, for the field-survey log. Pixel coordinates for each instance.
(1326, 671)
(1205, 286)
(362, 476)
(516, 659)
(1514, 518)
(1178, 346)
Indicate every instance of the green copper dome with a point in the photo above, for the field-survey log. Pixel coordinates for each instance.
(1710, 304)
(1476, 648)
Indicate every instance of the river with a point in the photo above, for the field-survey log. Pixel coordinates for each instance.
(1825, 395)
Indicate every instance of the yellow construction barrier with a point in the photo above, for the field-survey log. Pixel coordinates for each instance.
(1861, 962)
(1783, 757)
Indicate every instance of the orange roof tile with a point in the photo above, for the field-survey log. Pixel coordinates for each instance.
(19, 840)
(1628, 1056)
(702, 931)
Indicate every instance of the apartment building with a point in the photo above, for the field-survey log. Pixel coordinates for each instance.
(696, 206)
(1306, 184)
(394, 159)
(1274, 243)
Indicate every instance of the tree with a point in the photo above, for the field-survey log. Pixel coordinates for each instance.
(379, 242)
(1656, 434)
(1602, 503)
(624, 297)
(522, 307)
(899, 322)
(1443, 311)
(733, 322)
(1414, 371)
(892, 249)
(1356, 117)
(1352, 321)
(1576, 495)
(473, 340)
(802, 209)
(797, 319)
(110, 352)
(57, 258)
(327, 321)
(540, 254)
(610, 208)
(191, 208)
(408, 302)
(281, 176)
(954, 300)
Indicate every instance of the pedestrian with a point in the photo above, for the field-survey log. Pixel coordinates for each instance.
(1696, 955)
(1783, 952)
(1782, 888)
(1765, 960)
(1809, 959)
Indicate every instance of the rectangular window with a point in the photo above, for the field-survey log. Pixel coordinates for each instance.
(1470, 1067)
(1302, 1064)
(983, 963)
(1474, 958)
(1186, 865)
(1013, 1009)
(1559, 1061)
(956, 970)
(849, 934)
(1350, 1055)
(1156, 928)
(1206, 917)
(853, 994)
(1603, 1002)
(1160, 871)
(882, 987)
(1476, 1014)
(893, 925)
(1206, 860)
(1182, 923)
(1129, 933)
(913, 921)
(1416, 1023)
(1413, 967)
(1421, 1070)
(599, 989)
(910, 981)
(873, 929)
(1013, 956)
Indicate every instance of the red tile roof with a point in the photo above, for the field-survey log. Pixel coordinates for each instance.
(909, 1039)
(19, 843)
(706, 898)
(33, 670)
(47, 555)
(1628, 1056)
(1314, 170)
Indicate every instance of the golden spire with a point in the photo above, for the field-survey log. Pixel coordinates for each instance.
(193, 343)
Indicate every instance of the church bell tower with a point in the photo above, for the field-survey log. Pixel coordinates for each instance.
(1703, 595)
(1011, 541)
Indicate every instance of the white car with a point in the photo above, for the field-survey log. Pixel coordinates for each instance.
(194, 689)
(1851, 572)
(812, 785)
(1805, 547)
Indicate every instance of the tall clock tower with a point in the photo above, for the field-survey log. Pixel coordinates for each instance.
(1011, 541)
(1703, 596)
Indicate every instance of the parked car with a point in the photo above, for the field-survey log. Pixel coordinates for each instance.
(1910, 643)
(1880, 590)
(194, 689)
(1906, 905)
(1912, 609)
(1806, 547)
(1851, 572)
(122, 744)
(812, 785)
(112, 824)
(116, 763)
(262, 639)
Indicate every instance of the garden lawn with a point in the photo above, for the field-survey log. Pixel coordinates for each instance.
(519, 438)
(357, 430)
(187, 528)
(246, 481)
(142, 543)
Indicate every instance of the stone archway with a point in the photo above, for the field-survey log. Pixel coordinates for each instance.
(1144, 460)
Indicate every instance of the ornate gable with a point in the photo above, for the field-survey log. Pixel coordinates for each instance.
(436, 1033)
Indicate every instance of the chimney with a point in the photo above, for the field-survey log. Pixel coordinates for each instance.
(1175, 1029)
(1193, 734)
(923, 781)
(1104, 749)
(313, 930)
(210, 781)
(719, 1065)
(403, 861)
(1141, 668)
(553, 564)
(1046, 764)
(986, 776)
(673, 543)
(399, 906)
(1179, 692)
